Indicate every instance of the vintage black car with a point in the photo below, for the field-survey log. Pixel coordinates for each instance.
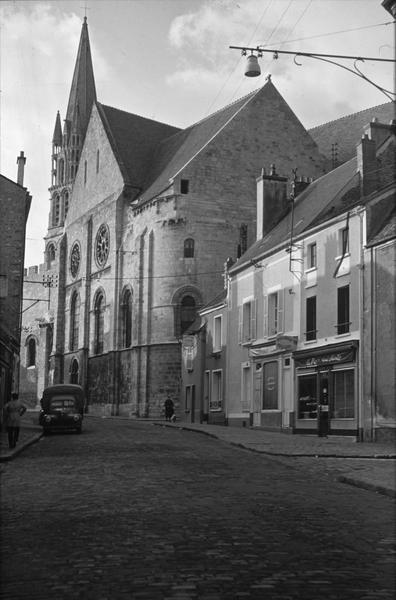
(62, 408)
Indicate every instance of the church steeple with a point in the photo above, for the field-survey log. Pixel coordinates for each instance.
(67, 145)
(82, 92)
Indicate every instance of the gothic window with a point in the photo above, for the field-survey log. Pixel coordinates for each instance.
(66, 205)
(126, 319)
(56, 211)
(61, 170)
(189, 248)
(75, 259)
(102, 245)
(74, 321)
(50, 255)
(242, 246)
(31, 353)
(188, 313)
(72, 172)
(99, 323)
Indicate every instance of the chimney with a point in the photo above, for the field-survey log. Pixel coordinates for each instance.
(21, 168)
(367, 165)
(272, 201)
(379, 132)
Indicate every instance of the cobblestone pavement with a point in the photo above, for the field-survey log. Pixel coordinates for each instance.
(132, 511)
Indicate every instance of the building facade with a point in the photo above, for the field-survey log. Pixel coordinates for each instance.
(15, 203)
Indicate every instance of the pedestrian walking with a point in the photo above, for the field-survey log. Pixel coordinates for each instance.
(14, 409)
(169, 409)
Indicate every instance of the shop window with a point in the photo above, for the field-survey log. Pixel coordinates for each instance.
(99, 324)
(126, 319)
(343, 406)
(270, 386)
(307, 398)
(310, 333)
(189, 248)
(31, 353)
(217, 333)
(311, 256)
(247, 322)
(343, 323)
(74, 321)
(187, 313)
(217, 390)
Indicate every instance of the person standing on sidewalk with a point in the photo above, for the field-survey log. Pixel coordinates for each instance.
(169, 408)
(14, 409)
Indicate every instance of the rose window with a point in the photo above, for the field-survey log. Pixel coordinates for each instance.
(102, 245)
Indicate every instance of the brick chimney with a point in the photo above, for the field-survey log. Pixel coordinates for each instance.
(21, 160)
(367, 165)
(272, 201)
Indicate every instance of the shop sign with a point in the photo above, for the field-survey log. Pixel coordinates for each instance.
(325, 359)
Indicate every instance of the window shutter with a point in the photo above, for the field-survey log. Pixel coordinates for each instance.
(265, 316)
(253, 320)
(281, 303)
(240, 324)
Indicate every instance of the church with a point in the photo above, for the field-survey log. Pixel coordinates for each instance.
(143, 215)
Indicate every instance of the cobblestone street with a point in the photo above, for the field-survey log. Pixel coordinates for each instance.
(132, 511)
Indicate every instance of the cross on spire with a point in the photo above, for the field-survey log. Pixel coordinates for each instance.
(85, 7)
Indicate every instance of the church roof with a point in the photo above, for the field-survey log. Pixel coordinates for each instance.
(347, 131)
(83, 91)
(133, 140)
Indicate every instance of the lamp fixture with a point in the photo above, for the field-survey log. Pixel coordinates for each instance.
(253, 67)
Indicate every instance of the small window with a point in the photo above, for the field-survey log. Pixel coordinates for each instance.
(189, 248)
(343, 241)
(85, 172)
(50, 255)
(97, 161)
(56, 211)
(311, 256)
(184, 185)
(310, 333)
(217, 333)
(31, 353)
(343, 309)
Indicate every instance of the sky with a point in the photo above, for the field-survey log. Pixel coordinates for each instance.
(170, 60)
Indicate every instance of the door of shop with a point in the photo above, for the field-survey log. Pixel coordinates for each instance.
(257, 396)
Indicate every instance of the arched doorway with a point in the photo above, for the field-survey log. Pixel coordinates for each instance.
(74, 371)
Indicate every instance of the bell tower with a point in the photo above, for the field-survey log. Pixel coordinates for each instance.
(67, 144)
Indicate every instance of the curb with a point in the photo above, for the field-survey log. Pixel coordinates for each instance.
(7, 457)
(379, 489)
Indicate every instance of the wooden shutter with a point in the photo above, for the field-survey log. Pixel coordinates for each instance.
(265, 316)
(281, 304)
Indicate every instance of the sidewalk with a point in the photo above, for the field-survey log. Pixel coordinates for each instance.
(366, 465)
(30, 432)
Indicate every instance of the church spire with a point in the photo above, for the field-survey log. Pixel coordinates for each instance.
(82, 92)
(57, 137)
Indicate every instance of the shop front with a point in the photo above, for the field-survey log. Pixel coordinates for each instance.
(327, 390)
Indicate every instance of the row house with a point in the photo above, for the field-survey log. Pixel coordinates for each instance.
(304, 319)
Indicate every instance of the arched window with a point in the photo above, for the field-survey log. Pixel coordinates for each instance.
(74, 371)
(55, 211)
(126, 319)
(99, 323)
(61, 170)
(66, 203)
(31, 353)
(189, 248)
(50, 255)
(188, 313)
(74, 321)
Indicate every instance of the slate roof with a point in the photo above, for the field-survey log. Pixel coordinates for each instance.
(216, 302)
(326, 197)
(133, 140)
(348, 130)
